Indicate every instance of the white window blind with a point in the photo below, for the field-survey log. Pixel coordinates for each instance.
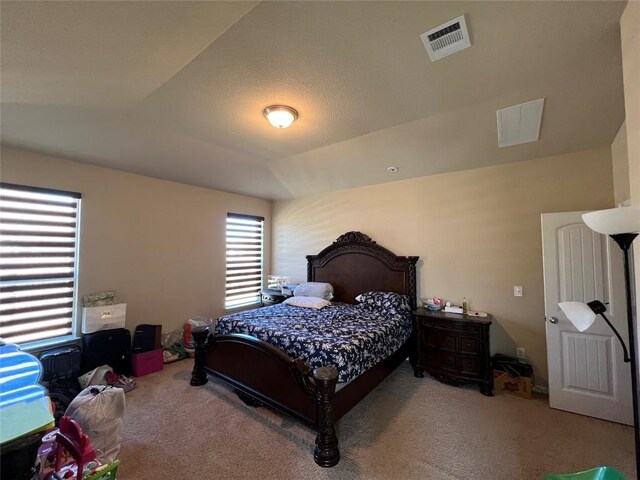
(38, 263)
(244, 259)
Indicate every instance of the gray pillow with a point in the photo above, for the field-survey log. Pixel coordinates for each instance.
(314, 289)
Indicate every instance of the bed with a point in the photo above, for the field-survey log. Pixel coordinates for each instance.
(263, 374)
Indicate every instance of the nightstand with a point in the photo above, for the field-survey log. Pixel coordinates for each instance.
(453, 348)
(272, 297)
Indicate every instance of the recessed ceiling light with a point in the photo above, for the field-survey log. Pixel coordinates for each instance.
(392, 169)
(280, 116)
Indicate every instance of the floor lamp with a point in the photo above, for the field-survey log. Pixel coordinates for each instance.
(622, 225)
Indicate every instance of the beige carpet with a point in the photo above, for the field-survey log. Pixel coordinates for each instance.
(408, 428)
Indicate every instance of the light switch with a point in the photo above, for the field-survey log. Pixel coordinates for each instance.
(517, 291)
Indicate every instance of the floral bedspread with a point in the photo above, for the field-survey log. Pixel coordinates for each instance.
(349, 337)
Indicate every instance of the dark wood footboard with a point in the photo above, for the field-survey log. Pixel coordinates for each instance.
(259, 370)
(264, 375)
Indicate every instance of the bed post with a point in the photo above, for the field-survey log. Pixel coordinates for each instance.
(326, 453)
(201, 337)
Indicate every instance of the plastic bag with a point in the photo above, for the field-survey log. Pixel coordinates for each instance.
(97, 376)
(196, 322)
(99, 411)
(172, 338)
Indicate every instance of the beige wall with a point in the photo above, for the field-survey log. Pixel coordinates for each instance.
(630, 34)
(620, 164)
(160, 245)
(477, 233)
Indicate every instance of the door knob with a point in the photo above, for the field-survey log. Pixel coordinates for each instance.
(553, 320)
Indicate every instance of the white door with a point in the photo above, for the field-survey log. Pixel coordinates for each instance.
(587, 374)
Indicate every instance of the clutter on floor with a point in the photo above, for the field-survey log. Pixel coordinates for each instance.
(101, 312)
(60, 372)
(104, 375)
(147, 350)
(599, 473)
(67, 453)
(98, 410)
(189, 326)
(105, 341)
(107, 347)
(25, 412)
(173, 345)
(512, 375)
(82, 392)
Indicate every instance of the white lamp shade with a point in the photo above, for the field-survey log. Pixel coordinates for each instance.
(614, 220)
(579, 314)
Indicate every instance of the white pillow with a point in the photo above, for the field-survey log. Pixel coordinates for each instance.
(314, 289)
(307, 302)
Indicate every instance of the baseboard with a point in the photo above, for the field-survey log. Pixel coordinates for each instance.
(540, 389)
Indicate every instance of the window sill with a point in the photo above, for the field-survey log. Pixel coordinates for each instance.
(241, 308)
(37, 347)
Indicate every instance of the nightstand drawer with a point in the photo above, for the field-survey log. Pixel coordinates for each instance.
(469, 366)
(448, 342)
(426, 322)
(441, 361)
(470, 345)
(449, 362)
(430, 337)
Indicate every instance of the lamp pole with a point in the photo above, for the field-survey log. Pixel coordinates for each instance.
(624, 240)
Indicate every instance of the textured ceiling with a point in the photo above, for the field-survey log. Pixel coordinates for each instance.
(176, 90)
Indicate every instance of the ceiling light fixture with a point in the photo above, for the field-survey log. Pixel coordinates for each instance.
(280, 116)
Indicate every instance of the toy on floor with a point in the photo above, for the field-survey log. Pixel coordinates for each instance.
(67, 454)
(25, 412)
(599, 473)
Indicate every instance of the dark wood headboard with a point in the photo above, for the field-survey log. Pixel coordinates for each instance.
(355, 264)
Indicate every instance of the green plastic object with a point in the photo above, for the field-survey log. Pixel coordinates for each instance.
(599, 473)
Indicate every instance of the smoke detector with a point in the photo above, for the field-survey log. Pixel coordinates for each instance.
(447, 39)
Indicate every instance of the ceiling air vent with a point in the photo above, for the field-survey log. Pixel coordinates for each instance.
(446, 39)
(520, 123)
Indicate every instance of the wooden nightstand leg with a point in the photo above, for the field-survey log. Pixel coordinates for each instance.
(486, 389)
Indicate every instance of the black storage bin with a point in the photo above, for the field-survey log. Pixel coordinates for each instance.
(60, 364)
(107, 347)
(60, 372)
(147, 338)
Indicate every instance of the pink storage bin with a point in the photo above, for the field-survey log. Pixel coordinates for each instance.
(147, 362)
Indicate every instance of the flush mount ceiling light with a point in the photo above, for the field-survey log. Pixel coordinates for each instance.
(280, 116)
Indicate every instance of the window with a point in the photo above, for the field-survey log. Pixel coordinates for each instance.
(244, 260)
(38, 264)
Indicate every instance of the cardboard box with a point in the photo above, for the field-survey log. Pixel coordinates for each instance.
(147, 362)
(503, 382)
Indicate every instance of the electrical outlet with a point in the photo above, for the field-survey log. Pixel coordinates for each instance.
(521, 354)
(517, 290)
